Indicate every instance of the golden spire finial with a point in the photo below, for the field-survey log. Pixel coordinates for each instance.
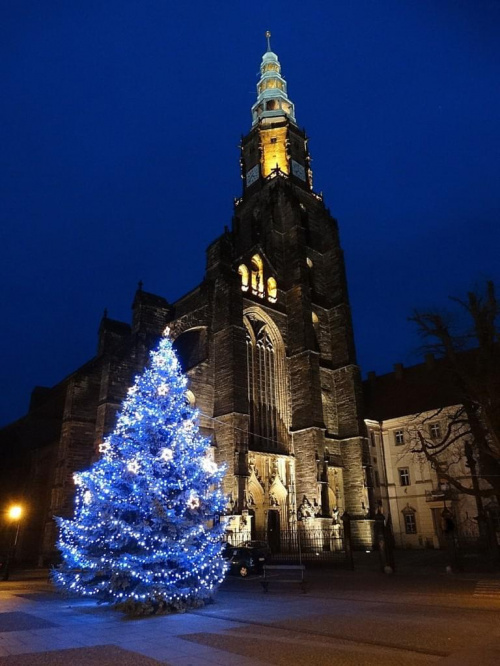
(268, 37)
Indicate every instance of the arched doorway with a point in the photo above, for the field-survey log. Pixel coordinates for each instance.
(273, 530)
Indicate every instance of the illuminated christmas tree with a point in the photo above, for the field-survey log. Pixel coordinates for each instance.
(145, 534)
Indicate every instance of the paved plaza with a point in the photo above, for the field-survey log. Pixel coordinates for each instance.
(349, 618)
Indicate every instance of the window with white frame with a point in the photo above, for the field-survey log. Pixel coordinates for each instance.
(404, 476)
(410, 523)
(435, 430)
(399, 437)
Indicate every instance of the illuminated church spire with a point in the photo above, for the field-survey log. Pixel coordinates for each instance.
(272, 100)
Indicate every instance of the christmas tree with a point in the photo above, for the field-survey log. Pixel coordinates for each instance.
(145, 533)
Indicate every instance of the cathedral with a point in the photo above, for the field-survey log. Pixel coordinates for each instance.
(266, 340)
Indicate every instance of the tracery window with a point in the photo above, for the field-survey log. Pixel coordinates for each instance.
(265, 373)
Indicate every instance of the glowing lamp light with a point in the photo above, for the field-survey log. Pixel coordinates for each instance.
(87, 497)
(15, 512)
(166, 331)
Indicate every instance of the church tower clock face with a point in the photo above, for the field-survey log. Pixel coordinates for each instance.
(252, 175)
(298, 170)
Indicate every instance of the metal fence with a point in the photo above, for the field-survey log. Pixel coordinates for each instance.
(295, 546)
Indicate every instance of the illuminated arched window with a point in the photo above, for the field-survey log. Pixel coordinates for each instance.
(257, 276)
(265, 383)
(243, 273)
(190, 399)
(272, 290)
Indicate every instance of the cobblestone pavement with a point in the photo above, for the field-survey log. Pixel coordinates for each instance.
(346, 618)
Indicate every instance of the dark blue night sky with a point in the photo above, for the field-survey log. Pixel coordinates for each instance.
(120, 123)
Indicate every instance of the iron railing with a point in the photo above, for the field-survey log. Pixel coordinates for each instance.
(297, 545)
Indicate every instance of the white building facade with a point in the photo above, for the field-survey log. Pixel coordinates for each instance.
(405, 407)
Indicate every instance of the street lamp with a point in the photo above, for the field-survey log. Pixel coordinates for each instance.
(14, 513)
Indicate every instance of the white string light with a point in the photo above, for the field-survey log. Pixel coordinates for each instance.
(147, 536)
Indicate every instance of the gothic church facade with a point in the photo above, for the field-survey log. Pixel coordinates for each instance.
(267, 342)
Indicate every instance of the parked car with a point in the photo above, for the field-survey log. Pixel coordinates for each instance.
(247, 560)
(228, 550)
(261, 546)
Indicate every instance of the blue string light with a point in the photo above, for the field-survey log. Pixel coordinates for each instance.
(145, 533)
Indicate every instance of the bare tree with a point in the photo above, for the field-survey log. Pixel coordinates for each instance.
(469, 349)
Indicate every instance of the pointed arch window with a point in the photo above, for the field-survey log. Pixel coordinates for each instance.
(272, 290)
(257, 276)
(265, 386)
(245, 277)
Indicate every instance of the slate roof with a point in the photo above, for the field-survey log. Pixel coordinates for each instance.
(412, 390)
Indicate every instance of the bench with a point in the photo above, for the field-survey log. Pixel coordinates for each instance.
(283, 573)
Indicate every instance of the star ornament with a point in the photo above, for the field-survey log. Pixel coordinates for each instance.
(163, 389)
(166, 331)
(193, 502)
(188, 426)
(166, 455)
(133, 467)
(104, 447)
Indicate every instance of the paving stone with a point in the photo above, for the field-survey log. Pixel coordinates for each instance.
(19, 621)
(101, 655)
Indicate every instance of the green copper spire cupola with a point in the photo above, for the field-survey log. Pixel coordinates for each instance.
(275, 146)
(272, 99)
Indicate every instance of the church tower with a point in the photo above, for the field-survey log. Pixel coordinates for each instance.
(267, 343)
(287, 390)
